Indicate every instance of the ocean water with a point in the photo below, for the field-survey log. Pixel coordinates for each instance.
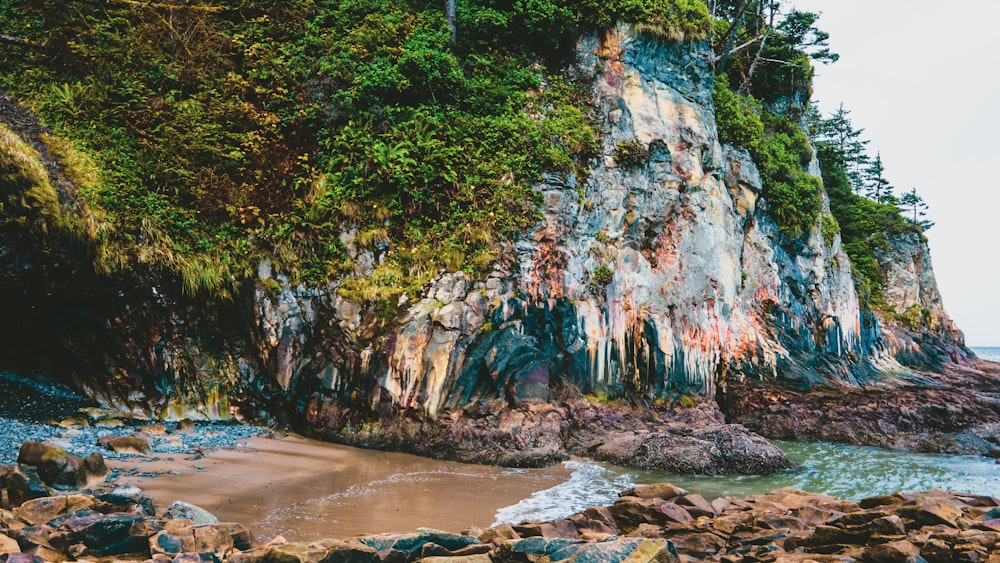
(850, 472)
(991, 353)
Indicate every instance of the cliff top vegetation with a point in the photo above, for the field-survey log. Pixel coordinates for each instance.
(212, 135)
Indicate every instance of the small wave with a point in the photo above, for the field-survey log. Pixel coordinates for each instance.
(589, 484)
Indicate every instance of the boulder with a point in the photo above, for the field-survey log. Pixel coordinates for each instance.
(8, 544)
(20, 558)
(665, 491)
(45, 510)
(22, 483)
(209, 538)
(56, 467)
(350, 551)
(180, 510)
(101, 535)
(185, 425)
(125, 444)
(893, 552)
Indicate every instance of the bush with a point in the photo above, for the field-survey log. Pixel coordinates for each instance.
(603, 275)
(631, 154)
(781, 150)
(830, 228)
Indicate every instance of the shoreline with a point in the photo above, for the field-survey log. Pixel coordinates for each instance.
(330, 490)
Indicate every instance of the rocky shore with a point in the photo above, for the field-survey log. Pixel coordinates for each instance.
(690, 436)
(956, 411)
(661, 523)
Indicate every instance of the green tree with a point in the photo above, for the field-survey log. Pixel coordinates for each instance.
(877, 187)
(915, 208)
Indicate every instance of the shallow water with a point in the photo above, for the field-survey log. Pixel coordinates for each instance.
(307, 490)
(850, 472)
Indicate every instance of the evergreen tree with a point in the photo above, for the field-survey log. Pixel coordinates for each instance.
(915, 209)
(846, 143)
(876, 186)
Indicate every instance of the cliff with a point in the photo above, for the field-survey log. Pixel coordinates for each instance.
(650, 280)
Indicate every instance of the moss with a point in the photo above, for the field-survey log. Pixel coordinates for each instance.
(603, 275)
(830, 228)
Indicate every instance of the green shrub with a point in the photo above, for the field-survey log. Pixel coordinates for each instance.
(830, 228)
(603, 275)
(781, 150)
(631, 154)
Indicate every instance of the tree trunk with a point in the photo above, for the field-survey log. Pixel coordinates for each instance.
(449, 10)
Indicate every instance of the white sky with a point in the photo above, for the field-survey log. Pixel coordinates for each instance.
(921, 78)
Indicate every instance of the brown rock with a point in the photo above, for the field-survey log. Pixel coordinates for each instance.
(350, 551)
(696, 505)
(698, 545)
(125, 444)
(185, 425)
(55, 466)
(8, 544)
(101, 535)
(94, 466)
(881, 500)
(892, 552)
(200, 539)
(498, 534)
(931, 509)
(890, 525)
(21, 483)
(154, 429)
(665, 491)
(44, 510)
(814, 515)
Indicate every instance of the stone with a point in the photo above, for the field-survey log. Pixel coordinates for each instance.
(892, 552)
(413, 541)
(22, 483)
(8, 544)
(325, 551)
(102, 534)
(930, 509)
(121, 500)
(21, 558)
(665, 491)
(180, 510)
(55, 466)
(185, 425)
(695, 505)
(125, 444)
(94, 466)
(208, 538)
(44, 510)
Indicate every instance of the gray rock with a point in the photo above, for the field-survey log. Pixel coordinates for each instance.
(180, 510)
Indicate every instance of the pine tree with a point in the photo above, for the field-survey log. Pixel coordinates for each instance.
(876, 186)
(914, 208)
(847, 145)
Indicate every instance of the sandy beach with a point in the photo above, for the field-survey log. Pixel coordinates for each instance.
(305, 489)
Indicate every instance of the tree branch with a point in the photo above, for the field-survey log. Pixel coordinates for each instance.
(741, 47)
(22, 41)
(156, 5)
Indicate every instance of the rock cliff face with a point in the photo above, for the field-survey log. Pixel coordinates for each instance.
(663, 277)
(651, 280)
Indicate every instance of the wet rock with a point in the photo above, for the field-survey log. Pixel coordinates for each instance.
(209, 538)
(125, 444)
(414, 541)
(8, 544)
(44, 510)
(665, 491)
(55, 466)
(351, 551)
(101, 535)
(892, 552)
(22, 483)
(180, 510)
(21, 558)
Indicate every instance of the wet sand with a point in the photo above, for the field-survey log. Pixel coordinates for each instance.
(305, 490)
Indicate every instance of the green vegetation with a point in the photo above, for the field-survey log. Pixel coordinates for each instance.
(603, 275)
(866, 221)
(781, 150)
(224, 134)
(204, 137)
(631, 154)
